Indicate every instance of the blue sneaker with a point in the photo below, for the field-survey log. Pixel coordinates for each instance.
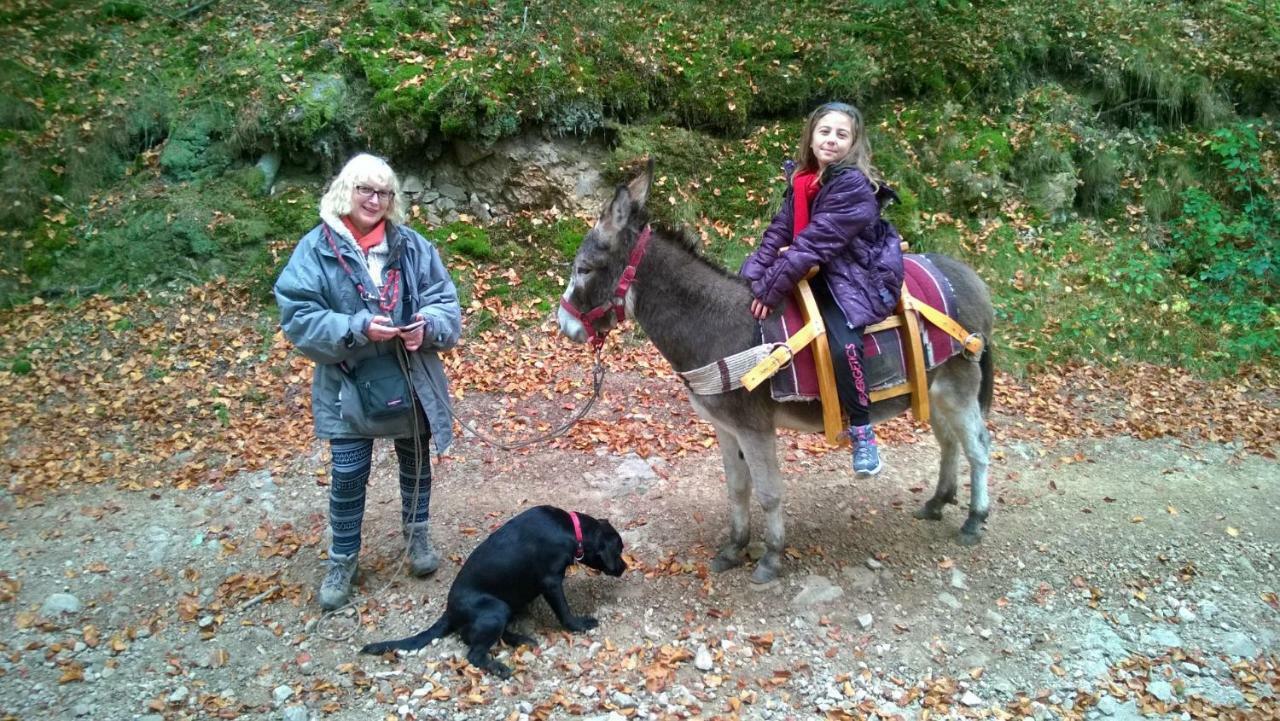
(866, 455)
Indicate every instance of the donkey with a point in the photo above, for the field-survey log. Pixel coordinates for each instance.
(696, 313)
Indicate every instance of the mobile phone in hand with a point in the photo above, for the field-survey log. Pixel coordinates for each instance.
(412, 326)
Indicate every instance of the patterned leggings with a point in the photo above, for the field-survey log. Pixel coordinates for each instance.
(352, 458)
(846, 356)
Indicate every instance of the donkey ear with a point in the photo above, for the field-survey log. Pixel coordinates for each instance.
(639, 185)
(616, 215)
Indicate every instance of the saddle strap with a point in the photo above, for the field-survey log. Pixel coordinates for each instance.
(972, 342)
(726, 374)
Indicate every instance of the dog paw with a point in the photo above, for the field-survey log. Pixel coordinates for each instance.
(583, 623)
(499, 669)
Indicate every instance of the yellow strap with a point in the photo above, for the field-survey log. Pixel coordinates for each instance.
(972, 343)
(782, 355)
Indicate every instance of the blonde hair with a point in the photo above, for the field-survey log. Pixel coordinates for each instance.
(361, 170)
(859, 155)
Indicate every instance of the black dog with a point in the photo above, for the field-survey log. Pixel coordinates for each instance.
(522, 560)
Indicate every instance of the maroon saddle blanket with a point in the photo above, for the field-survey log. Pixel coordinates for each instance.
(885, 356)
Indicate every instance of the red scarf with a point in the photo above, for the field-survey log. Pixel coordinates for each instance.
(370, 239)
(805, 186)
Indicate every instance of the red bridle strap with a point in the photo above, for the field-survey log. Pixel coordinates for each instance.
(577, 535)
(618, 303)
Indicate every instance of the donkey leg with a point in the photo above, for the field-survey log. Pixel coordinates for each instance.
(977, 449)
(948, 468)
(760, 451)
(738, 479)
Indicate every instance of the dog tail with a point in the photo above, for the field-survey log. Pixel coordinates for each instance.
(438, 629)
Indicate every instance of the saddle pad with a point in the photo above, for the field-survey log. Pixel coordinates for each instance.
(884, 352)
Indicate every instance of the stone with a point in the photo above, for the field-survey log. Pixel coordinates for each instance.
(622, 700)
(179, 695)
(874, 565)
(59, 603)
(1107, 705)
(958, 579)
(950, 601)
(1239, 645)
(1161, 690)
(702, 659)
(1162, 637)
(861, 579)
(970, 699)
(816, 590)
(281, 694)
(865, 620)
(296, 713)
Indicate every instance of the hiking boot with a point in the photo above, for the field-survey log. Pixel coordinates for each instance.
(423, 559)
(866, 455)
(335, 589)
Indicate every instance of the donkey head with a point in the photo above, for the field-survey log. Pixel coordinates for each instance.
(592, 303)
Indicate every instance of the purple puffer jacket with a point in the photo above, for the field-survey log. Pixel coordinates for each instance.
(859, 252)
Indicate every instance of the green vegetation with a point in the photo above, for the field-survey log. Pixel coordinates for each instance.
(1108, 166)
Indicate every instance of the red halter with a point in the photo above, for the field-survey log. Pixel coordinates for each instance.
(618, 303)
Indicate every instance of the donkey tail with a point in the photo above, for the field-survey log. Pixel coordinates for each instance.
(987, 389)
(439, 628)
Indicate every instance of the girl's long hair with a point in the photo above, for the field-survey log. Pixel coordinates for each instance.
(859, 155)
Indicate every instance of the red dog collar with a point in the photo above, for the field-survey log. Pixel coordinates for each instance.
(577, 535)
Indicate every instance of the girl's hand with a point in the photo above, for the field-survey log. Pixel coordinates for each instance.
(380, 329)
(412, 339)
(759, 310)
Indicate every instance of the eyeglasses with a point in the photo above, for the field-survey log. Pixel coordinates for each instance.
(384, 196)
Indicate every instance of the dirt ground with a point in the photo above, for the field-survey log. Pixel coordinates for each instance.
(1118, 578)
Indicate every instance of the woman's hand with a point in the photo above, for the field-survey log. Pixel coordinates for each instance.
(380, 329)
(759, 310)
(412, 339)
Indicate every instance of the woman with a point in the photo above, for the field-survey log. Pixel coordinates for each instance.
(362, 294)
(830, 218)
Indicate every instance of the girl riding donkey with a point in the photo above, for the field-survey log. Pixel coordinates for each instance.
(830, 218)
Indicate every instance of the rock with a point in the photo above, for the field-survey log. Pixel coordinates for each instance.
(1216, 693)
(970, 699)
(296, 713)
(702, 659)
(1239, 645)
(59, 603)
(1162, 637)
(957, 579)
(1107, 705)
(269, 166)
(865, 620)
(453, 193)
(874, 565)
(816, 590)
(282, 694)
(179, 695)
(1161, 690)
(861, 579)
(994, 617)
(950, 601)
(1186, 615)
(82, 709)
(622, 700)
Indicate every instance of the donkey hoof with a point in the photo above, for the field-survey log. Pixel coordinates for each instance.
(767, 571)
(928, 513)
(723, 562)
(970, 539)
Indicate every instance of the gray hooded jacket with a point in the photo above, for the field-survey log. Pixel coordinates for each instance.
(323, 314)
